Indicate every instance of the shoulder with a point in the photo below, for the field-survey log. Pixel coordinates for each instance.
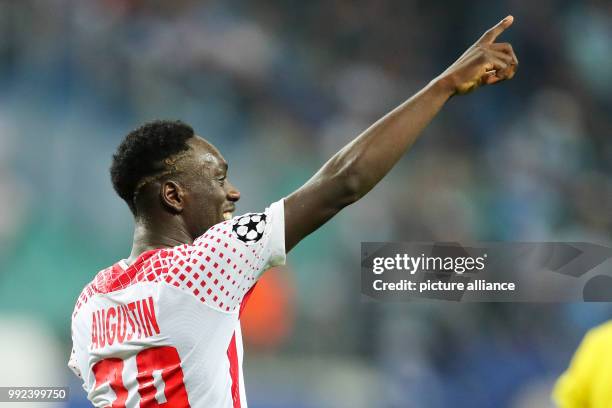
(594, 347)
(245, 235)
(151, 266)
(88, 292)
(600, 335)
(249, 229)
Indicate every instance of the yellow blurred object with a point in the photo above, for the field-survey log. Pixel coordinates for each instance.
(587, 383)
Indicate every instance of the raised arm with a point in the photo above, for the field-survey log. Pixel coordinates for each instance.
(361, 164)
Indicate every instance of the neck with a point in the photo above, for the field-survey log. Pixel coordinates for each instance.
(147, 237)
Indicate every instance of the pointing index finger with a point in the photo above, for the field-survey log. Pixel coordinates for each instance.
(491, 34)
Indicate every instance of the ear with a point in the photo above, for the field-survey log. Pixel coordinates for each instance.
(172, 196)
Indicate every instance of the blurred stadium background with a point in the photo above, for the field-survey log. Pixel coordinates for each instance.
(279, 86)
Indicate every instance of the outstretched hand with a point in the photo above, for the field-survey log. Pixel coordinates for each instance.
(484, 63)
(363, 162)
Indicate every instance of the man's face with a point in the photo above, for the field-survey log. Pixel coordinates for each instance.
(209, 196)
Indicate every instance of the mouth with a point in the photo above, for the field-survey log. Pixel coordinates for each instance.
(229, 213)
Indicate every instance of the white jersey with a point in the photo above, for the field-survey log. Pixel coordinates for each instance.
(165, 331)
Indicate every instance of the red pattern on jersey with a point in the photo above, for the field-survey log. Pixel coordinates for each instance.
(234, 370)
(245, 299)
(217, 268)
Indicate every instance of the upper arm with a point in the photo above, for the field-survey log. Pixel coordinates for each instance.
(315, 203)
(230, 257)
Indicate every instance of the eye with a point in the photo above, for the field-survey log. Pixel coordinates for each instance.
(221, 181)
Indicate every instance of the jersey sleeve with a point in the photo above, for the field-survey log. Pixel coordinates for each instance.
(78, 360)
(226, 261)
(72, 364)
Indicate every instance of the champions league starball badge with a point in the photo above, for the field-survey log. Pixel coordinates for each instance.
(250, 228)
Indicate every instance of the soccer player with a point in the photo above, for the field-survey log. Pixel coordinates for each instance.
(162, 327)
(587, 382)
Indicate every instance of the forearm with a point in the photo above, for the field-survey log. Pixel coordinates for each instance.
(361, 164)
(356, 169)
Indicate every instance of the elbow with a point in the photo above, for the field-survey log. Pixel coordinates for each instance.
(346, 182)
(351, 190)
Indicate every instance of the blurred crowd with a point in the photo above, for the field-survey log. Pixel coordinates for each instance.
(278, 87)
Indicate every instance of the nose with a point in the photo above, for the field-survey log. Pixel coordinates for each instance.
(232, 192)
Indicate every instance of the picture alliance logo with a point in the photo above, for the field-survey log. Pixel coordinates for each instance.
(424, 263)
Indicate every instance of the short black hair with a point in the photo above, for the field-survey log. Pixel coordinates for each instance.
(142, 153)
